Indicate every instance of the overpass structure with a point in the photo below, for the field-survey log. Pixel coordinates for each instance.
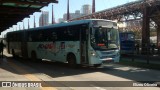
(145, 10)
(12, 11)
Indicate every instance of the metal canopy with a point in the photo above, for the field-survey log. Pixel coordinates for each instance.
(12, 11)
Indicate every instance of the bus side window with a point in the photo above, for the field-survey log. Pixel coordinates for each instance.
(73, 32)
(70, 33)
(10, 37)
(84, 31)
(54, 36)
(49, 35)
(62, 34)
(39, 36)
(30, 38)
(14, 37)
(34, 35)
(19, 37)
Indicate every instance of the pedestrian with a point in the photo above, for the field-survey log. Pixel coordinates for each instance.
(1, 48)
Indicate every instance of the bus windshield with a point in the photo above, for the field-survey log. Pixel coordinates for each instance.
(103, 38)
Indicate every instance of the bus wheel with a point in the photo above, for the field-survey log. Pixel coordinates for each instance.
(33, 56)
(71, 60)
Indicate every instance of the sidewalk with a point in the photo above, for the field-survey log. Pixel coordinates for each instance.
(7, 75)
(11, 70)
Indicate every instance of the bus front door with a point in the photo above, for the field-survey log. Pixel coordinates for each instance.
(83, 47)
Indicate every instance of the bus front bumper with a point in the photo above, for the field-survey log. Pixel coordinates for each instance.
(110, 59)
(107, 60)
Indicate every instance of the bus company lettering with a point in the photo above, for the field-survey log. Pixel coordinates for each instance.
(51, 47)
(47, 46)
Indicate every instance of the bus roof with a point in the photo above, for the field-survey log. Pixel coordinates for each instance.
(76, 22)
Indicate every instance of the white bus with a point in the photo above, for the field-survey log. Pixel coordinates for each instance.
(85, 42)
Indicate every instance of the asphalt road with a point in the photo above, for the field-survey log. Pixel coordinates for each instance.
(62, 77)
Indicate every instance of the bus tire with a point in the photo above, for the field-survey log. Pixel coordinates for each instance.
(71, 60)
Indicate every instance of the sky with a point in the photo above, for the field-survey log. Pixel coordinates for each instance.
(61, 8)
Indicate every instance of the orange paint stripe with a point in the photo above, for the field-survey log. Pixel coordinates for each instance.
(31, 76)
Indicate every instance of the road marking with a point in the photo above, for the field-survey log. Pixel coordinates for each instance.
(31, 76)
(99, 88)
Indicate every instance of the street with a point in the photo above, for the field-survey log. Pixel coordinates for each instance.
(25, 70)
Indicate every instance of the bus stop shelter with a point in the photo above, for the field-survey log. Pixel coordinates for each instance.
(12, 11)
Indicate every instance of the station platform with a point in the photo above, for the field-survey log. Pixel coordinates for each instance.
(12, 72)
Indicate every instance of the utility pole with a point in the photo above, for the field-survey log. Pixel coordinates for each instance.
(42, 19)
(23, 25)
(145, 29)
(28, 24)
(53, 20)
(93, 6)
(68, 15)
(34, 22)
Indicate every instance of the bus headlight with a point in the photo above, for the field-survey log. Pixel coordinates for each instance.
(93, 53)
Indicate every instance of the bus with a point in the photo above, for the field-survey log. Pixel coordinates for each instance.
(127, 42)
(89, 42)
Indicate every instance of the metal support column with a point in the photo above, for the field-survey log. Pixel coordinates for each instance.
(93, 6)
(158, 38)
(145, 31)
(68, 13)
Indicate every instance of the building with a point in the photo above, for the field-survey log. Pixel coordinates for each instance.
(86, 9)
(45, 16)
(60, 20)
(77, 14)
(72, 15)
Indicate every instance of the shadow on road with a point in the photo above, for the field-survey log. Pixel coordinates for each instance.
(56, 69)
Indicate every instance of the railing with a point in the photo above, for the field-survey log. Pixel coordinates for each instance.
(151, 56)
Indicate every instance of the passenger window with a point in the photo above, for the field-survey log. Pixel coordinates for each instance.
(54, 36)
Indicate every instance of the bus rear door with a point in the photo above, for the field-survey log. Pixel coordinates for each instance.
(24, 50)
